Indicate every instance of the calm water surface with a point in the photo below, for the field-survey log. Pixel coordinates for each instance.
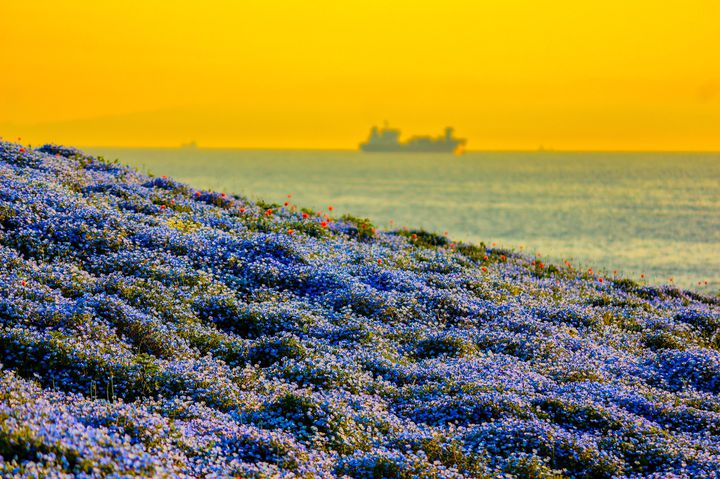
(656, 214)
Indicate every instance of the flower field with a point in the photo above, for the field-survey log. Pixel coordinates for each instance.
(148, 329)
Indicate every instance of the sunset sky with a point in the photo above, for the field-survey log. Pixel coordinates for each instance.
(569, 75)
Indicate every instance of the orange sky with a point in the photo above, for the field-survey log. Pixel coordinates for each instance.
(610, 75)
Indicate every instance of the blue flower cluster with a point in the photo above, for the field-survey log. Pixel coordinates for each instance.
(148, 329)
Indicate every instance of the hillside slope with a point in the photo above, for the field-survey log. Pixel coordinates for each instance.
(150, 329)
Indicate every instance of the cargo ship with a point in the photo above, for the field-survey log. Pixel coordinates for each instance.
(388, 140)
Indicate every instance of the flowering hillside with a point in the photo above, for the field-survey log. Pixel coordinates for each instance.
(149, 329)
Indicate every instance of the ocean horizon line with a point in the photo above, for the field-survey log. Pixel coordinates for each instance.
(355, 150)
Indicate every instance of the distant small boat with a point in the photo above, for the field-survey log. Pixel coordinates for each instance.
(189, 146)
(388, 140)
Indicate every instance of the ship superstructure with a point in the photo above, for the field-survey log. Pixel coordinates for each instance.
(388, 140)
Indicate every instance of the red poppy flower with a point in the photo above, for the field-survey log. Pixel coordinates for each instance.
(305, 216)
(290, 232)
(22, 150)
(324, 224)
(197, 193)
(413, 236)
(502, 257)
(162, 207)
(23, 282)
(484, 268)
(600, 279)
(379, 261)
(286, 203)
(330, 208)
(269, 212)
(242, 210)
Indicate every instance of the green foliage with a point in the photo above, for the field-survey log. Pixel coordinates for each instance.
(444, 346)
(147, 375)
(263, 205)
(474, 252)
(528, 466)
(268, 351)
(363, 227)
(424, 239)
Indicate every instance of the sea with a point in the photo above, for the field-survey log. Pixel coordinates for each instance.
(652, 217)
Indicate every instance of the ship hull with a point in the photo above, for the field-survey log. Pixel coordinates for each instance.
(368, 148)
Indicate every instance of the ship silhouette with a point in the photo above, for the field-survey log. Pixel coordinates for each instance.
(388, 140)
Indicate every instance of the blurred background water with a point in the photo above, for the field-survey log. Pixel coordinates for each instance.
(656, 214)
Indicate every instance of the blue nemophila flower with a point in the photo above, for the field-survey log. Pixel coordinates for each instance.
(148, 329)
